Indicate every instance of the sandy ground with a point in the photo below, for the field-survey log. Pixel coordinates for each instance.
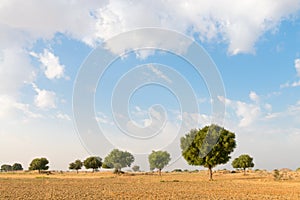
(184, 185)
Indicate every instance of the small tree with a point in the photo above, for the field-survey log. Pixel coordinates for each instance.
(118, 159)
(208, 147)
(243, 162)
(39, 164)
(136, 168)
(158, 160)
(92, 163)
(77, 165)
(17, 167)
(6, 168)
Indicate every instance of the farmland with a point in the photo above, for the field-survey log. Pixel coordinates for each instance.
(181, 185)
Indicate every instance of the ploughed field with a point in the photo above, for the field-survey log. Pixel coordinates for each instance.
(180, 185)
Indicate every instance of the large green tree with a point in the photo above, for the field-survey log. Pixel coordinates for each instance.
(92, 162)
(39, 164)
(118, 159)
(243, 162)
(6, 168)
(17, 167)
(158, 160)
(76, 165)
(208, 147)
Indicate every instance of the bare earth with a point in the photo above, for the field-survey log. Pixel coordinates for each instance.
(105, 185)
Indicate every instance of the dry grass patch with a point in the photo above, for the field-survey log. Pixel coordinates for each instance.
(105, 185)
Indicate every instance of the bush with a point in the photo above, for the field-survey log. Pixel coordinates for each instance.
(177, 170)
(136, 168)
(277, 175)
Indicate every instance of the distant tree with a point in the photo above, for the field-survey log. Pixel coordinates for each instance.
(93, 162)
(243, 162)
(76, 165)
(39, 164)
(118, 159)
(17, 167)
(208, 147)
(136, 168)
(6, 168)
(158, 160)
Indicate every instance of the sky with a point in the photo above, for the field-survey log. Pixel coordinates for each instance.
(79, 78)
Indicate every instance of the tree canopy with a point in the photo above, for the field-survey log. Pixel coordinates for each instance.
(39, 164)
(6, 168)
(208, 147)
(118, 159)
(242, 162)
(92, 162)
(158, 160)
(76, 165)
(17, 167)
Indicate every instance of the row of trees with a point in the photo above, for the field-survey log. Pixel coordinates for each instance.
(208, 147)
(118, 159)
(14, 167)
(36, 164)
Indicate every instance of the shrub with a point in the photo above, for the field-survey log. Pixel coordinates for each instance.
(177, 170)
(277, 175)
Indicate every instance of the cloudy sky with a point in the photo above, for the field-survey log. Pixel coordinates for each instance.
(148, 98)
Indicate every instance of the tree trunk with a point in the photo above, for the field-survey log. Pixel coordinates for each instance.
(210, 173)
(159, 171)
(244, 171)
(77, 171)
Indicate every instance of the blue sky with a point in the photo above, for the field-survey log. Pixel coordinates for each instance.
(254, 45)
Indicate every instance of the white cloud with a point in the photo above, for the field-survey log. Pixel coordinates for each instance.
(295, 83)
(103, 119)
(224, 100)
(63, 116)
(15, 70)
(159, 73)
(193, 120)
(38, 19)
(234, 24)
(268, 107)
(12, 110)
(91, 22)
(51, 64)
(44, 99)
(297, 66)
(254, 97)
(247, 112)
(138, 109)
